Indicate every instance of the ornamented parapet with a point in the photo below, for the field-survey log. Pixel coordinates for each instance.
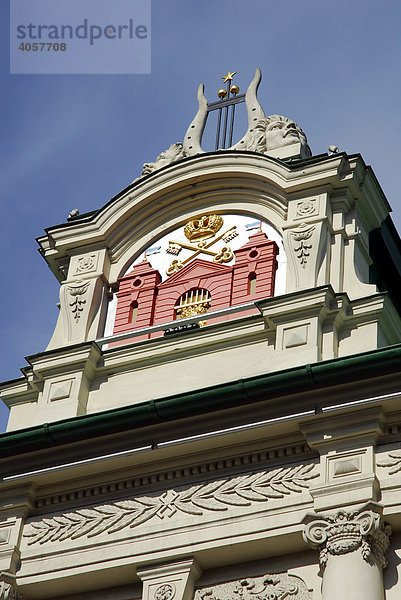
(268, 587)
(346, 532)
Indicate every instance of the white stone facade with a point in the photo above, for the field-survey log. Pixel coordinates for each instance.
(255, 458)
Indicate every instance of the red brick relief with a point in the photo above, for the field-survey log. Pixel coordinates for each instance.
(143, 300)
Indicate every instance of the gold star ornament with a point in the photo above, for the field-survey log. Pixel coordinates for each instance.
(229, 76)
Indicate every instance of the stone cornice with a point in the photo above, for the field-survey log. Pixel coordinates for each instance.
(197, 471)
(216, 179)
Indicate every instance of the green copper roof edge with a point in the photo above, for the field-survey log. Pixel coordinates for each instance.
(218, 397)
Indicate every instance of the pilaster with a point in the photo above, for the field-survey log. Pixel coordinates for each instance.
(171, 581)
(346, 444)
(83, 299)
(15, 506)
(64, 377)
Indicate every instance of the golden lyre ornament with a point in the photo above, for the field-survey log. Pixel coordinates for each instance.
(222, 93)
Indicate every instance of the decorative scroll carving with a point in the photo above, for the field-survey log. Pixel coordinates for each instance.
(301, 246)
(393, 461)
(196, 500)
(77, 304)
(268, 587)
(346, 532)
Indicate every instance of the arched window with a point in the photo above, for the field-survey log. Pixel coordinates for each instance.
(194, 302)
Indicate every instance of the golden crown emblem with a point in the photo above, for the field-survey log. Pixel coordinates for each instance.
(202, 228)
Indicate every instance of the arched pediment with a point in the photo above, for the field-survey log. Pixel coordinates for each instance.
(227, 181)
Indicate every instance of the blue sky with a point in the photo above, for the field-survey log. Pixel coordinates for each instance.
(75, 141)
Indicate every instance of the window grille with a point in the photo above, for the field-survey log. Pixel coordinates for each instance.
(194, 302)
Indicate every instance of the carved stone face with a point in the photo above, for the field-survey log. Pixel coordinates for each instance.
(277, 131)
(283, 133)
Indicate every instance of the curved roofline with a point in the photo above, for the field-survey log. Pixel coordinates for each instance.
(290, 165)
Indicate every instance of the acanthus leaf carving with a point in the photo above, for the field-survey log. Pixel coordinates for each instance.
(196, 500)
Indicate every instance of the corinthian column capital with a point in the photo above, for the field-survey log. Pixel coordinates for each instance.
(345, 532)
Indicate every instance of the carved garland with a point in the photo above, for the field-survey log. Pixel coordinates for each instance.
(301, 246)
(78, 302)
(215, 496)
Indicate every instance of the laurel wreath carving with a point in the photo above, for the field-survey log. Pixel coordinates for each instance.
(216, 496)
(393, 461)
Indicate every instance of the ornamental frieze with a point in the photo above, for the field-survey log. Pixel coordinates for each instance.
(267, 587)
(196, 500)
